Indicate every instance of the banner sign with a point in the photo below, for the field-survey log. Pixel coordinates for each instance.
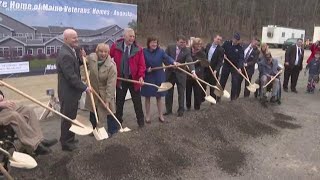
(31, 30)
(11, 68)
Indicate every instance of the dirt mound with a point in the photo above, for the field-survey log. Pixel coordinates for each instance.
(209, 138)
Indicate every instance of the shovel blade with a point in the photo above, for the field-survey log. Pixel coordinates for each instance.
(22, 160)
(257, 86)
(210, 99)
(85, 130)
(100, 133)
(226, 94)
(251, 88)
(126, 129)
(165, 86)
(218, 93)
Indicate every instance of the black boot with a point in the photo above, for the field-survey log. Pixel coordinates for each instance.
(49, 142)
(42, 150)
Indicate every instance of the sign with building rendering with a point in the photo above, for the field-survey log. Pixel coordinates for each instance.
(31, 30)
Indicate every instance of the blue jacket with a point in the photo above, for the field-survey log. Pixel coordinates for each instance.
(268, 69)
(314, 67)
(234, 53)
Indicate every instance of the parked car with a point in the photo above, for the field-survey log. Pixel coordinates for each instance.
(289, 42)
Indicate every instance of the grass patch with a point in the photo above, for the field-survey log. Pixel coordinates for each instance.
(40, 63)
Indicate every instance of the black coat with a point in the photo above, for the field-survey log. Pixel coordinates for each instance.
(252, 59)
(200, 55)
(291, 54)
(70, 86)
(217, 57)
(3, 96)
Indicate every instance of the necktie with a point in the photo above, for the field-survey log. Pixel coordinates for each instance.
(248, 53)
(177, 53)
(125, 64)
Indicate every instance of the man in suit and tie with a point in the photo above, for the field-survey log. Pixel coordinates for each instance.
(251, 56)
(293, 65)
(215, 54)
(70, 86)
(181, 54)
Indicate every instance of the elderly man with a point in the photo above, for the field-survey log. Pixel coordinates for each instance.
(25, 124)
(129, 59)
(268, 68)
(70, 86)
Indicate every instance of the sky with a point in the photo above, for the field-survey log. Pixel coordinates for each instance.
(34, 17)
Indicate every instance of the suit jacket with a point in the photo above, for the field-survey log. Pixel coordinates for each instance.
(291, 54)
(200, 55)
(3, 97)
(103, 81)
(252, 59)
(183, 57)
(217, 57)
(70, 86)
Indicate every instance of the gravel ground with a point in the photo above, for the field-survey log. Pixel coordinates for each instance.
(231, 140)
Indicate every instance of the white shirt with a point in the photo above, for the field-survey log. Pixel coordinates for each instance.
(211, 51)
(297, 55)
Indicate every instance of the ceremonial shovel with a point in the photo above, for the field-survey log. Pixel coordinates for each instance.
(126, 129)
(172, 66)
(165, 86)
(274, 77)
(208, 97)
(82, 127)
(218, 92)
(20, 160)
(99, 133)
(251, 87)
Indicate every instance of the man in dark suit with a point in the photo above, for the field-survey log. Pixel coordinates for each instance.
(293, 65)
(234, 52)
(215, 54)
(70, 86)
(251, 56)
(181, 54)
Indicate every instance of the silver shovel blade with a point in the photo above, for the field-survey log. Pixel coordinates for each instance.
(210, 99)
(100, 133)
(22, 160)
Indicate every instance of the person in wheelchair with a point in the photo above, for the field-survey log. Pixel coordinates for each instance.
(268, 68)
(25, 125)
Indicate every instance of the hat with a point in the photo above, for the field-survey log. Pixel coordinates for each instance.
(236, 36)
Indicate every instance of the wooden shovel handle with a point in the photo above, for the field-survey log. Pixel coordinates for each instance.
(39, 103)
(89, 84)
(215, 87)
(215, 77)
(237, 70)
(245, 71)
(274, 77)
(137, 82)
(104, 104)
(199, 84)
(5, 172)
(171, 66)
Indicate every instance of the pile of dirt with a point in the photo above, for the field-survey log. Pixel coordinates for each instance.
(211, 137)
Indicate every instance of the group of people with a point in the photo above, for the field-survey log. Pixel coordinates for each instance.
(126, 59)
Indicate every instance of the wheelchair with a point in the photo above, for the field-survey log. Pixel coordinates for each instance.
(258, 93)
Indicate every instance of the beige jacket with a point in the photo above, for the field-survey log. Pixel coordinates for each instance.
(103, 82)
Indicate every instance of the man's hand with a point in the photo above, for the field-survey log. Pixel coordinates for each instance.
(194, 75)
(1, 98)
(141, 80)
(83, 52)
(239, 71)
(215, 73)
(225, 56)
(88, 90)
(8, 104)
(107, 105)
(245, 64)
(149, 69)
(286, 64)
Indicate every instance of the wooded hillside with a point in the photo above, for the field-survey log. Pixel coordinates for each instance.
(167, 18)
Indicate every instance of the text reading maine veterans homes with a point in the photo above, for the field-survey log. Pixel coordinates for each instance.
(16, 6)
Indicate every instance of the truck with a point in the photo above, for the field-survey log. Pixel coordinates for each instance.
(275, 35)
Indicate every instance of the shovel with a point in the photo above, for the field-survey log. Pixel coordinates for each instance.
(165, 86)
(77, 126)
(274, 77)
(220, 91)
(5, 173)
(20, 160)
(254, 84)
(126, 129)
(208, 98)
(99, 133)
(252, 88)
(172, 66)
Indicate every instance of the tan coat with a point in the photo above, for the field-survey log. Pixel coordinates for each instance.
(103, 82)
